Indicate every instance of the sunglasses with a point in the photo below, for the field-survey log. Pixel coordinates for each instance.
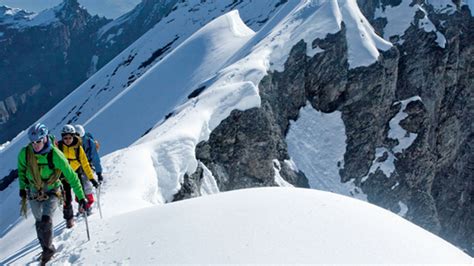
(37, 141)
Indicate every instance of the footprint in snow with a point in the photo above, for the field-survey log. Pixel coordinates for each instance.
(74, 258)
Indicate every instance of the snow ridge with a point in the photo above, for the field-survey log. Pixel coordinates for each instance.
(265, 225)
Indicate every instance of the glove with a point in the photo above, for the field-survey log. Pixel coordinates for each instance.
(23, 193)
(94, 183)
(82, 205)
(100, 177)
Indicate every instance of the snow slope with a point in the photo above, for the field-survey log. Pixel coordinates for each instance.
(169, 82)
(267, 225)
(316, 145)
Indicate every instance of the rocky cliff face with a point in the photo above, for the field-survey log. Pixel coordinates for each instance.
(423, 86)
(436, 172)
(43, 59)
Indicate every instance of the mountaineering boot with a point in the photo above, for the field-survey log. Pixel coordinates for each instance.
(68, 212)
(45, 235)
(70, 223)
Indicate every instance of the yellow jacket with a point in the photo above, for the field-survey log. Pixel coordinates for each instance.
(70, 154)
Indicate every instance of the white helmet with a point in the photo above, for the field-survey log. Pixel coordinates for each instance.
(80, 130)
(68, 129)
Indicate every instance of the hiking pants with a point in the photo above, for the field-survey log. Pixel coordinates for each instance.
(43, 208)
(88, 190)
(86, 185)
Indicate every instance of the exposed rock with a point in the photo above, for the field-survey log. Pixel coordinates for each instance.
(435, 173)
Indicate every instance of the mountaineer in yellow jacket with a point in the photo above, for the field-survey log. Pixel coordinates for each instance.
(71, 146)
(40, 164)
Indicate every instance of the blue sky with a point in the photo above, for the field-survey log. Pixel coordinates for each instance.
(107, 8)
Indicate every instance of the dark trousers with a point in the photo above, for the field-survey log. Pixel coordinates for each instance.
(68, 212)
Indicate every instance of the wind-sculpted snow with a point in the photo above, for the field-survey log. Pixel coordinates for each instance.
(167, 83)
(269, 225)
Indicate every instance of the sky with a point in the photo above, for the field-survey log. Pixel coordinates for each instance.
(107, 8)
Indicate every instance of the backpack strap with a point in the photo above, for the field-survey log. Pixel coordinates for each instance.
(50, 160)
(56, 172)
(88, 147)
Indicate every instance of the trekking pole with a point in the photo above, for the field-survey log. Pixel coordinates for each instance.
(98, 200)
(85, 216)
(87, 225)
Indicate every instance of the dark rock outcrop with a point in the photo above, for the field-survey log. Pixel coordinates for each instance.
(435, 173)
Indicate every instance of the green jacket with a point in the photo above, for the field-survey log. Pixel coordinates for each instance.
(60, 162)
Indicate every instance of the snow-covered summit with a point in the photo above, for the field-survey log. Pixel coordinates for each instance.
(8, 14)
(267, 225)
(19, 18)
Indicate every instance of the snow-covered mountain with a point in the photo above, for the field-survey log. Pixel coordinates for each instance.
(308, 96)
(106, 8)
(271, 225)
(44, 57)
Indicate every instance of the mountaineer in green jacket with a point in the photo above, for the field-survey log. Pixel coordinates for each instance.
(40, 164)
